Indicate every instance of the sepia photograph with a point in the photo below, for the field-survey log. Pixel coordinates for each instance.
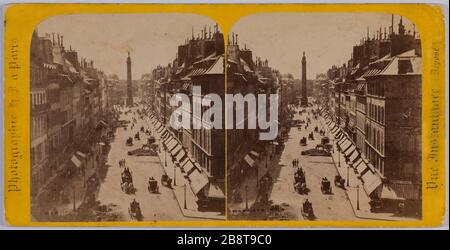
(316, 117)
(102, 147)
(348, 145)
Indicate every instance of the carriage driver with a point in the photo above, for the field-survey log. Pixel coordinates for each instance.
(134, 204)
(307, 205)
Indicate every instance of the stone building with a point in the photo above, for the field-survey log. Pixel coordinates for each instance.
(378, 97)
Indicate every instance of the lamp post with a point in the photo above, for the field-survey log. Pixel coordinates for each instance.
(185, 202)
(73, 194)
(348, 175)
(339, 122)
(174, 175)
(357, 197)
(246, 197)
(164, 121)
(266, 159)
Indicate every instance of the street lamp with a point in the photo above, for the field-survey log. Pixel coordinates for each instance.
(348, 175)
(185, 202)
(357, 197)
(174, 175)
(73, 194)
(246, 197)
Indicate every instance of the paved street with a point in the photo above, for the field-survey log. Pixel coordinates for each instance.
(326, 207)
(155, 207)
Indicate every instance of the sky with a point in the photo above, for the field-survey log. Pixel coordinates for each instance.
(326, 38)
(152, 39)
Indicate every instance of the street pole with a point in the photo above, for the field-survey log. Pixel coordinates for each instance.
(257, 176)
(348, 179)
(174, 175)
(357, 197)
(165, 158)
(266, 159)
(246, 197)
(185, 202)
(73, 193)
(164, 122)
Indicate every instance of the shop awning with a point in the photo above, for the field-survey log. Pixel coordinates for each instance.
(349, 150)
(387, 193)
(215, 192)
(160, 129)
(353, 157)
(342, 140)
(344, 145)
(371, 181)
(359, 165)
(188, 166)
(172, 144)
(249, 161)
(180, 156)
(82, 155)
(175, 149)
(76, 161)
(335, 130)
(198, 181)
(167, 140)
(254, 153)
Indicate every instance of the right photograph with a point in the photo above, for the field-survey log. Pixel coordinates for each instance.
(326, 117)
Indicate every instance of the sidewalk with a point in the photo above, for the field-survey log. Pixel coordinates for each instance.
(71, 196)
(250, 181)
(355, 191)
(182, 185)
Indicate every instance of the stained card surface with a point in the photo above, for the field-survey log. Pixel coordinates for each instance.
(224, 115)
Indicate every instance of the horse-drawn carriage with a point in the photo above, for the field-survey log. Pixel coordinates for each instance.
(136, 136)
(127, 182)
(311, 136)
(307, 211)
(135, 211)
(325, 186)
(303, 141)
(300, 182)
(166, 180)
(153, 185)
(129, 141)
(339, 181)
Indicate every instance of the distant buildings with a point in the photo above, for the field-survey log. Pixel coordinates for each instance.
(68, 99)
(200, 153)
(376, 99)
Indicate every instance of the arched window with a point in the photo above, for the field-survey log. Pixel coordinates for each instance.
(382, 115)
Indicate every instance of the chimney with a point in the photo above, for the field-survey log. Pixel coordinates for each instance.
(236, 38)
(59, 40)
(232, 35)
(53, 39)
(62, 41)
(391, 29)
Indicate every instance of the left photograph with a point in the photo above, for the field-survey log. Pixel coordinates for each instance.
(103, 146)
